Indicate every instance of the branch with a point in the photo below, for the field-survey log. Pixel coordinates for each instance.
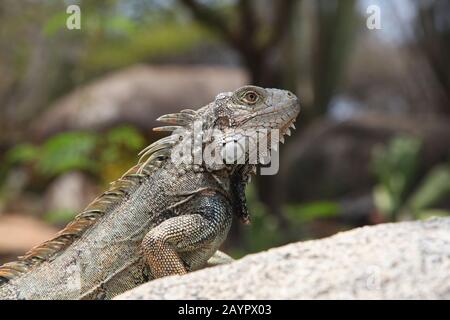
(283, 13)
(212, 19)
(248, 21)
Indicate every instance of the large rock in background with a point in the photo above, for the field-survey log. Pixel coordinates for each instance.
(137, 95)
(19, 234)
(409, 260)
(332, 159)
(71, 191)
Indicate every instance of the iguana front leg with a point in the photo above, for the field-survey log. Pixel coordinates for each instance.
(184, 243)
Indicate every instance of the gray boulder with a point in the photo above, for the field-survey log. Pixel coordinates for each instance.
(136, 95)
(408, 260)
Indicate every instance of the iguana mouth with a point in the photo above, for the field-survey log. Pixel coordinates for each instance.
(293, 110)
(286, 129)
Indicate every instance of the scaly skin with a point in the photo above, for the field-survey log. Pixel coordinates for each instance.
(162, 218)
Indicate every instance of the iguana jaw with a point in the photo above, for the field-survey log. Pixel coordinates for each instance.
(286, 129)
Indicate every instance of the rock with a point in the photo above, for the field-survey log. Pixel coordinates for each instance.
(70, 191)
(136, 95)
(408, 260)
(18, 234)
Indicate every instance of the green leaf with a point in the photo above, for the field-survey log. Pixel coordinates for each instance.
(144, 44)
(264, 232)
(427, 214)
(313, 210)
(59, 216)
(395, 167)
(383, 200)
(120, 24)
(434, 188)
(126, 136)
(23, 153)
(55, 23)
(67, 151)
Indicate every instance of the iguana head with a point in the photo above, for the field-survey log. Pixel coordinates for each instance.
(248, 120)
(255, 108)
(232, 130)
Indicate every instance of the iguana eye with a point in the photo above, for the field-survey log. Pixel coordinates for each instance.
(250, 97)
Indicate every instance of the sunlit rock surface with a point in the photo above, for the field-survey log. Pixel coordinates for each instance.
(409, 260)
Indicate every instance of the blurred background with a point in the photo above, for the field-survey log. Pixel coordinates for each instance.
(372, 143)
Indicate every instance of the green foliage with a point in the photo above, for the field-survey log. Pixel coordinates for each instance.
(121, 25)
(125, 136)
(66, 152)
(55, 23)
(93, 20)
(308, 212)
(112, 39)
(432, 213)
(395, 167)
(113, 35)
(264, 231)
(59, 217)
(85, 151)
(22, 153)
(434, 188)
(143, 44)
(120, 139)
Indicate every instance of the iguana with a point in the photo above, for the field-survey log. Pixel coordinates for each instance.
(162, 217)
